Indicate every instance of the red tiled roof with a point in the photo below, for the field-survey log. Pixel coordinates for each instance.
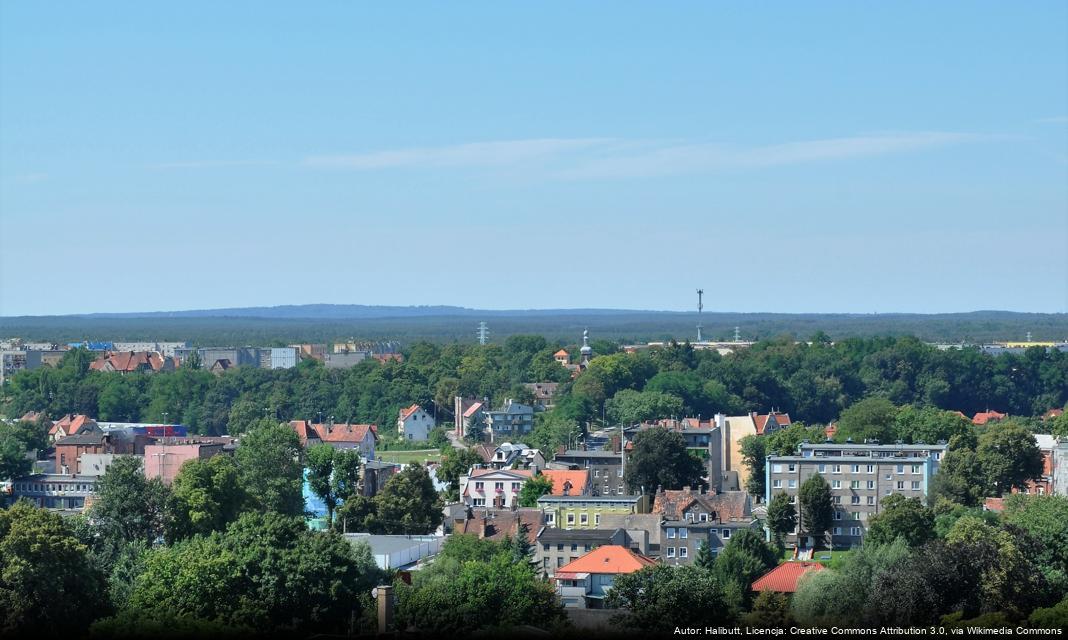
(984, 417)
(561, 353)
(1052, 413)
(473, 409)
(333, 432)
(578, 479)
(404, 413)
(496, 524)
(784, 578)
(609, 558)
(997, 505)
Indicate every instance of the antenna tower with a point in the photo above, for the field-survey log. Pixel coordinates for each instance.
(483, 332)
(737, 335)
(700, 306)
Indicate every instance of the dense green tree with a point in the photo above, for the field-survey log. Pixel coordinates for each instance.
(1046, 519)
(901, 517)
(632, 407)
(319, 460)
(206, 496)
(928, 424)
(817, 508)
(782, 517)
(784, 442)
(266, 572)
(659, 596)
(408, 504)
(268, 461)
(705, 559)
(533, 489)
(840, 596)
(745, 558)
(770, 610)
(48, 585)
(127, 506)
(454, 464)
(961, 478)
(1055, 617)
(660, 459)
(1009, 457)
(13, 460)
(870, 419)
(919, 588)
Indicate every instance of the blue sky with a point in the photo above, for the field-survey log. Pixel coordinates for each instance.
(802, 157)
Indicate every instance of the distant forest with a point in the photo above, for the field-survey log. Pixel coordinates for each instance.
(328, 323)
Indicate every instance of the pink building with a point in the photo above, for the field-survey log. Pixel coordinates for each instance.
(165, 458)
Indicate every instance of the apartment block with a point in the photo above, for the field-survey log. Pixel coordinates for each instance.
(860, 476)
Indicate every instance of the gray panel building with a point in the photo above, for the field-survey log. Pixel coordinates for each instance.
(860, 475)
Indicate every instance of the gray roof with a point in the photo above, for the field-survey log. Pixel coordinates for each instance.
(874, 447)
(573, 453)
(382, 544)
(553, 534)
(93, 437)
(623, 499)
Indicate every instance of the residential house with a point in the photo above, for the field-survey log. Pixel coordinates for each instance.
(584, 583)
(568, 482)
(513, 420)
(690, 518)
(497, 488)
(605, 467)
(165, 457)
(544, 393)
(467, 412)
(498, 524)
(984, 417)
(221, 366)
(860, 476)
(134, 362)
(70, 425)
(785, 577)
(584, 512)
(556, 547)
(735, 473)
(1047, 445)
(515, 456)
(69, 450)
(643, 530)
(340, 436)
(414, 423)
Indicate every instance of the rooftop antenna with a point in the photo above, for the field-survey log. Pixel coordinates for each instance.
(700, 306)
(483, 333)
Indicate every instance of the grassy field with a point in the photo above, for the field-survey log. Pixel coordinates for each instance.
(403, 457)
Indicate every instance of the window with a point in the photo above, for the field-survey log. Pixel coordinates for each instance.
(559, 562)
(684, 533)
(560, 546)
(900, 485)
(836, 468)
(550, 519)
(791, 467)
(792, 484)
(836, 484)
(620, 473)
(776, 484)
(596, 519)
(584, 518)
(854, 500)
(915, 485)
(498, 486)
(704, 517)
(901, 468)
(856, 515)
(684, 552)
(915, 469)
(671, 552)
(776, 468)
(854, 531)
(596, 473)
(671, 533)
(837, 499)
(479, 502)
(545, 547)
(854, 484)
(837, 515)
(822, 468)
(888, 492)
(515, 486)
(726, 534)
(479, 486)
(838, 531)
(574, 546)
(871, 484)
(871, 500)
(889, 476)
(856, 468)
(570, 519)
(871, 468)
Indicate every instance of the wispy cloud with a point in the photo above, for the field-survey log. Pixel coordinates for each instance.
(476, 154)
(1054, 120)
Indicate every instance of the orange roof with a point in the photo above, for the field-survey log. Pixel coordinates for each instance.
(831, 430)
(578, 479)
(784, 578)
(561, 352)
(333, 432)
(984, 417)
(610, 558)
(1052, 413)
(997, 505)
(404, 413)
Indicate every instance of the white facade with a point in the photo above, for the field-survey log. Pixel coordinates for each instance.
(498, 489)
(283, 357)
(416, 426)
